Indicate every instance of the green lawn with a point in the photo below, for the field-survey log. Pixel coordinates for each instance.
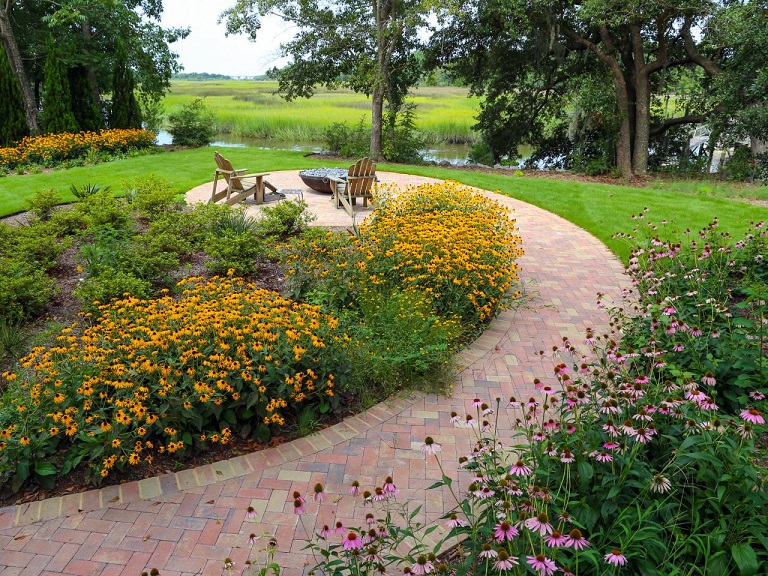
(600, 209)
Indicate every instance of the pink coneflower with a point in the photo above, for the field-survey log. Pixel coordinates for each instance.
(695, 331)
(250, 512)
(565, 516)
(369, 519)
(325, 531)
(476, 403)
(548, 390)
(252, 538)
(505, 562)
(708, 404)
(539, 523)
(485, 409)
(567, 456)
(551, 425)
(422, 566)
(513, 402)
(616, 558)
(660, 484)
(455, 522)
(708, 379)
(570, 429)
(319, 495)
(339, 528)
(297, 496)
(504, 531)
(603, 457)
(372, 555)
(298, 507)
(389, 487)
(485, 492)
(576, 540)
(555, 539)
(520, 469)
(678, 347)
(611, 445)
(611, 428)
(407, 571)
(610, 407)
(539, 436)
(488, 552)
(756, 395)
(542, 564)
(455, 418)
(752, 416)
(430, 446)
(643, 435)
(352, 542)
(745, 430)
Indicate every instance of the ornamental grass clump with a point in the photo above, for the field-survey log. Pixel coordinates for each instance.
(166, 375)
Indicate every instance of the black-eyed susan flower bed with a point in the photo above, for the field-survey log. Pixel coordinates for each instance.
(49, 149)
(444, 240)
(167, 375)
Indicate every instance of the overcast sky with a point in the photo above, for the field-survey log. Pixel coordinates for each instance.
(206, 49)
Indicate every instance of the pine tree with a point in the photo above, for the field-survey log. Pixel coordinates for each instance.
(86, 111)
(125, 111)
(57, 116)
(13, 125)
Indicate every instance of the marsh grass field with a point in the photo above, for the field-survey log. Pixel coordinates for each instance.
(251, 108)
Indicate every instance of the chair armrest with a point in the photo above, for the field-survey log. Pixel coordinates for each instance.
(254, 175)
(337, 180)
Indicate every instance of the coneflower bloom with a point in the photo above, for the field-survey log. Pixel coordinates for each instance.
(756, 395)
(339, 528)
(250, 512)
(603, 457)
(370, 519)
(520, 469)
(455, 522)
(488, 552)
(486, 410)
(477, 403)
(319, 495)
(708, 379)
(708, 404)
(752, 416)
(616, 558)
(505, 562)
(389, 487)
(352, 542)
(643, 435)
(430, 446)
(297, 496)
(325, 531)
(252, 538)
(660, 484)
(555, 539)
(379, 494)
(576, 540)
(504, 531)
(355, 489)
(567, 456)
(455, 418)
(539, 436)
(422, 566)
(298, 507)
(542, 564)
(539, 523)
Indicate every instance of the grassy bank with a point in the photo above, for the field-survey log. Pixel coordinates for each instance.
(601, 209)
(251, 108)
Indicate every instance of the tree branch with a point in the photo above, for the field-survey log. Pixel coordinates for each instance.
(687, 119)
(710, 67)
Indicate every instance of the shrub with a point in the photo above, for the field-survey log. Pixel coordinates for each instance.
(35, 245)
(24, 289)
(236, 251)
(104, 210)
(402, 142)
(211, 383)
(110, 283)
(152, 196)
(43, 202)
(86, 190)
(350, 142)
(193, 125)
(287, 217)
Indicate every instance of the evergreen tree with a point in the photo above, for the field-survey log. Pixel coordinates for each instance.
(125, 112)
(86, 111)
(57, 116)
(13, 125)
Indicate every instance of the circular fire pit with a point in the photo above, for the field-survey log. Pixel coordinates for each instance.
(319, 178)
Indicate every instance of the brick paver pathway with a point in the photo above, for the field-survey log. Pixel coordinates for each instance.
(187, 523)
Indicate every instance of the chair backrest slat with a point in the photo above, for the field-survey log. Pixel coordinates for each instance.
(360, 177)
(226, 167)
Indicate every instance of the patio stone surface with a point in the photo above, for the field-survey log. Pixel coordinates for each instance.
(187, 523)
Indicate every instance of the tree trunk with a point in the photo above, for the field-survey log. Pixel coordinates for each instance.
(377, 120)
(8, 39)
(87, 32)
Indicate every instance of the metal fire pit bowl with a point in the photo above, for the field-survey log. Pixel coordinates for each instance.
(318, 178)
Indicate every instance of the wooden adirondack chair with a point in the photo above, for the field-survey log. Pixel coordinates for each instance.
(239, 184)
(360, 179)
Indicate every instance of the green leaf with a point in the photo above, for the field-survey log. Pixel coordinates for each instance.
(187, 437)
(44, 469)
(745, 558)
(263, 433)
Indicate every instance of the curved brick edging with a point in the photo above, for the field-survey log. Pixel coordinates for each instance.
(186, 523)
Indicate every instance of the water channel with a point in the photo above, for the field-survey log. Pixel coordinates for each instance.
(453, 153)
